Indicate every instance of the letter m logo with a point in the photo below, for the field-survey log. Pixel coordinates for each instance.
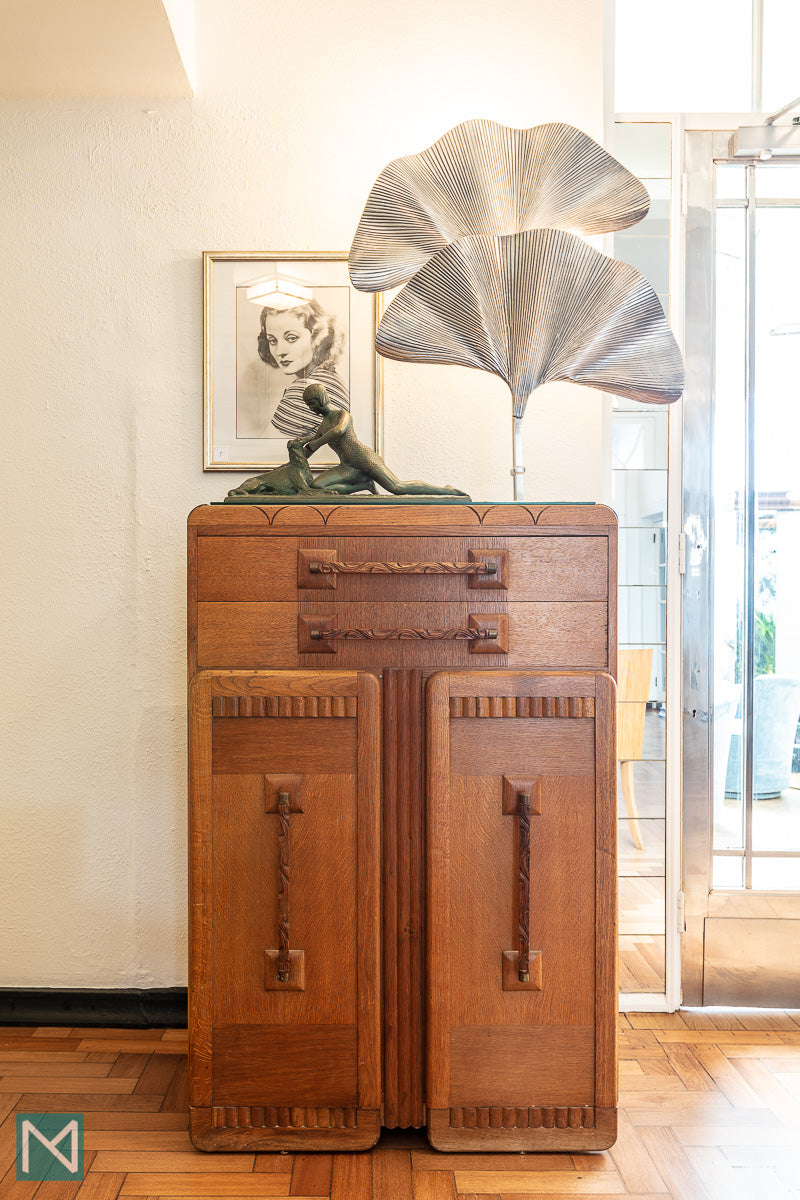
(49, 1146)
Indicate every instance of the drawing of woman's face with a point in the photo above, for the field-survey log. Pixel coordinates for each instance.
(289, 342)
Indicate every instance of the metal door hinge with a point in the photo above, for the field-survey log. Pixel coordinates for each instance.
(681, 912)
(682, 553)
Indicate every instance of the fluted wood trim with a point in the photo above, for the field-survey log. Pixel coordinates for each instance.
(253, 1117)
(284, 706)
(559, 1117)
(403, 919)
(522, 706)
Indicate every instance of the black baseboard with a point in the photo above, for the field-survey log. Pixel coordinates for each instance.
(128, 1008)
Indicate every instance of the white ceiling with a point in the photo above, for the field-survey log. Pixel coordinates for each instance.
(98, 48)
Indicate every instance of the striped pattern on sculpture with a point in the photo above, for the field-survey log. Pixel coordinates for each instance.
(485, 178)
(532, 307)
(292, 416)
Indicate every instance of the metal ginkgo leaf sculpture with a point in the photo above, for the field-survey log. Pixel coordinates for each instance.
(485, 178)
(536, 306)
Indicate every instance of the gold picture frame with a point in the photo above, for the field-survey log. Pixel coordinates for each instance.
(252, 399)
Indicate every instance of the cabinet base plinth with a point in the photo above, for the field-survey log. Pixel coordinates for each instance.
(572, 1129)
(226, 1128)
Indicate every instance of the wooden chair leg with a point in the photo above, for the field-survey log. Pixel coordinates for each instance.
(629, 796)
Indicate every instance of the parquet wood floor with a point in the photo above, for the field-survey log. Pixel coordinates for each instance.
(709, 1110)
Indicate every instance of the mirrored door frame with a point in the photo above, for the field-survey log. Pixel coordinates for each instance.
(670, 998)
(768, 910)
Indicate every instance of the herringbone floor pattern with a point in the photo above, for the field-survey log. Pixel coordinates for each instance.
(709, 1110)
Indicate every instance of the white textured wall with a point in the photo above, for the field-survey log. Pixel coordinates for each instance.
(106, 209)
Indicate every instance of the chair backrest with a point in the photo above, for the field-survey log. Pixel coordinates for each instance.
(633, 689)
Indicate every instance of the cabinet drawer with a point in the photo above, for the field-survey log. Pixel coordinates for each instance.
(546, 635)
(241, 569)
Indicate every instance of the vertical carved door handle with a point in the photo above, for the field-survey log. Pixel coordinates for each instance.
(522, 967)
(284, 968)
(283, 887)
(524, 887)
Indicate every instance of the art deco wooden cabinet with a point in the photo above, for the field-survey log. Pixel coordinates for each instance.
(402, 825)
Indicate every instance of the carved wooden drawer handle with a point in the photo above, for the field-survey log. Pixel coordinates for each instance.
(318, 569)
(333, 567)
(401, 635)
(485, 633)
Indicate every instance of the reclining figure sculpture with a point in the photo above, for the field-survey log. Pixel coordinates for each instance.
(359, 470)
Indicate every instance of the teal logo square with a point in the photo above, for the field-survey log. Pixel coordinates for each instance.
(50, 1146)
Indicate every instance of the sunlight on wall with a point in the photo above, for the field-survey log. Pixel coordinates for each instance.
(107, 209)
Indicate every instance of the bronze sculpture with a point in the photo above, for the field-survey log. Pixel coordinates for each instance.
(292, 478)
(360, 468)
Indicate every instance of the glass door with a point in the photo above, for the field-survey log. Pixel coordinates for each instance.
(640, 497)
(756, 489)
(742, 689)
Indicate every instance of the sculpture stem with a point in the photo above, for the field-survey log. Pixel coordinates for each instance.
(518, 470)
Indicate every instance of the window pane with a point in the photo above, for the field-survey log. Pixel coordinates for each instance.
(780, 46)
(639, 440)
(640, 497)
(642, 963)
(728, 549)
(730, 183)
(642, 614)
(776, 874)
(650, 859)
(642, 907)
(650, 789)
(692, 56)
(778, 181)
(728, 872)
(644, 726)
(650, 255)
(776, 787)
(642, 557)
(645, 148)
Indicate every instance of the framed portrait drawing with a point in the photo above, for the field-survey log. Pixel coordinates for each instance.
(273, 323)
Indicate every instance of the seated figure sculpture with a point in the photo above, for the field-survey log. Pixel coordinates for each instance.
(359, 470)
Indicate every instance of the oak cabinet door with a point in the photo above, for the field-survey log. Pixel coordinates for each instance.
(285, 923)
(520, 907)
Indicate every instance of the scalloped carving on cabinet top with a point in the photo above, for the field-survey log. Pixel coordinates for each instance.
(255, 518)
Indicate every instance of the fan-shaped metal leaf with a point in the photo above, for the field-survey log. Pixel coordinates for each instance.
(485, 178)
(535, 306)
